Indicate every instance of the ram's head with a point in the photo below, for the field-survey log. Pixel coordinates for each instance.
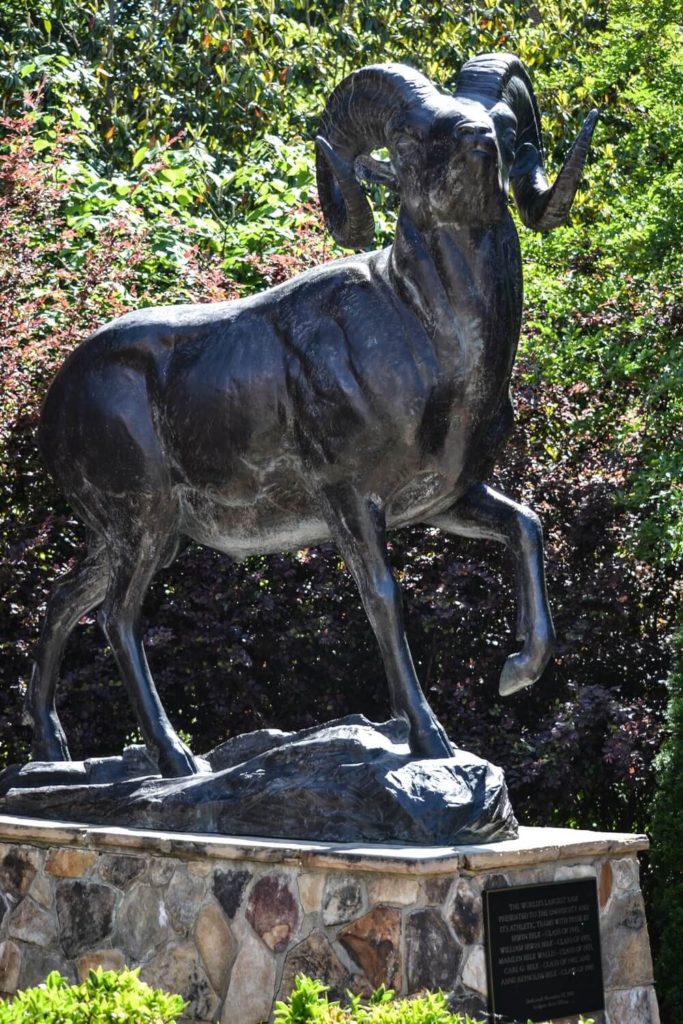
(452, 157)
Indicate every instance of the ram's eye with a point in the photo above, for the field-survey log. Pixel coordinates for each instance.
(405, 145)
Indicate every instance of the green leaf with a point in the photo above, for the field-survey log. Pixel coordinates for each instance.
(140, 155)
(173, 174)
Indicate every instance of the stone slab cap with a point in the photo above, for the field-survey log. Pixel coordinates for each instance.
(540, 845)
(534, 846)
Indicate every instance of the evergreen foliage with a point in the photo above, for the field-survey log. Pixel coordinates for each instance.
(667, 836)
(309, 1003)
(105, 997)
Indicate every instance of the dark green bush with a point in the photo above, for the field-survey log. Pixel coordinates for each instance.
(667, 835)
(105, 997)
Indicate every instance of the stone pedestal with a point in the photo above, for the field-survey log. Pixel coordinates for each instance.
(228, 923)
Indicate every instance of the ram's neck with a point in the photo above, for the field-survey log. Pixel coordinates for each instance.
(463, 283)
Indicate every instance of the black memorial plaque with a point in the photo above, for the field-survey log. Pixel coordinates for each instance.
(543, 950)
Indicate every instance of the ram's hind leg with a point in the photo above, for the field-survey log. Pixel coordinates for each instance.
(483, 512)
(135, 555)
(73, 596)
(358, 528)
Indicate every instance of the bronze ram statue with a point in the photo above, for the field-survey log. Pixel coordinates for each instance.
(363, 395)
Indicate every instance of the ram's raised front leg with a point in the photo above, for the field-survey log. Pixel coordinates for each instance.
(358, 528)
(483, 512)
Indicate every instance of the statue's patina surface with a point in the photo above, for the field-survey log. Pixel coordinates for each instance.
(366, 394)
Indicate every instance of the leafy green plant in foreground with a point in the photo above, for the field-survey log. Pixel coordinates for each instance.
(309, 1004)
(105, 997)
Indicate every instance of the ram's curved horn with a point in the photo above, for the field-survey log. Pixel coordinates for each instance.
(346, 210)
(361, 115)
(501, 77)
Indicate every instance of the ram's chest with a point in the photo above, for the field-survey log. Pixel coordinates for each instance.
(466, 289)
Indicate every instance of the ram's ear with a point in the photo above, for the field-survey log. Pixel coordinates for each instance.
(527, 159)
(377, 172)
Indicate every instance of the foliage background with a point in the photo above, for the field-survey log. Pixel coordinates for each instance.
(159, 152)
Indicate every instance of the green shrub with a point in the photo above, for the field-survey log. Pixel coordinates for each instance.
(310, 1004)
(104, 998)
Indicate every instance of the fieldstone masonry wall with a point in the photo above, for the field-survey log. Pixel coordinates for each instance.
(229, 923)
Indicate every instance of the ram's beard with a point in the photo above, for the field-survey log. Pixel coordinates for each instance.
(471, 206)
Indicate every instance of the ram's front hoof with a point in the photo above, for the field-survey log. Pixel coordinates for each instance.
(431, 743)
(515, 675)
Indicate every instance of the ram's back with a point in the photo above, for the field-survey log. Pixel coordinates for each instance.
(259, 399)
